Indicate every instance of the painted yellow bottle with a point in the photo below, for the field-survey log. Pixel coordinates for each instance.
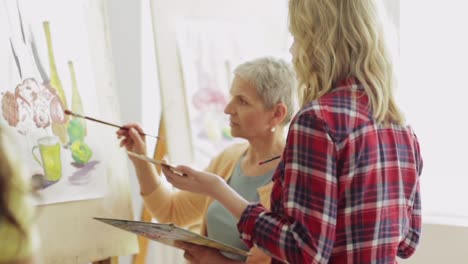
(77, 105)
(59, 129)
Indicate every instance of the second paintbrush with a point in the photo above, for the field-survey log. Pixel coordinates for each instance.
(68, 112)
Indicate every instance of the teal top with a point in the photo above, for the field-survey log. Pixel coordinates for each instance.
(221, 224)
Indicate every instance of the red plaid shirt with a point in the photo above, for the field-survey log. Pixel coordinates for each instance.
(346, 191)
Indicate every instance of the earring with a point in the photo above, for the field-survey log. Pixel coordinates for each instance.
(273, 129)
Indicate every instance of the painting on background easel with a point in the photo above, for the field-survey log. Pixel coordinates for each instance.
(46, 69)
(208, 52)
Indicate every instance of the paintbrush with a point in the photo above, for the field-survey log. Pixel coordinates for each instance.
(157, 162)
(68, 112)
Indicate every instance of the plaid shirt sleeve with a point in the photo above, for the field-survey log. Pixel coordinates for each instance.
(302, 229)
(408, 245)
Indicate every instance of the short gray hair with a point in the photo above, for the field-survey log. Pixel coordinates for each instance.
(274, 79)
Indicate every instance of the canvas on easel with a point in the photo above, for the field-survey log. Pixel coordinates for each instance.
(50, 69)
(55, 56)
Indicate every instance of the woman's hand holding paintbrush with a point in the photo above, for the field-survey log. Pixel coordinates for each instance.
(131, 139)
(135, 145)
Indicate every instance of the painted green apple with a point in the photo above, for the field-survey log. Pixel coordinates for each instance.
(76, 130)
(81, 152)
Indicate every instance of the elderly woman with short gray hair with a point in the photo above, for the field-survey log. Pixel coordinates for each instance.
(261, 105)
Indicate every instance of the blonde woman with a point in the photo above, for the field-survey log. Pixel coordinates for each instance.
(261, 105)
(19, 238)
(347, 188)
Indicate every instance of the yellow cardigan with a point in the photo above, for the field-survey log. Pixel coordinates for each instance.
(185, 208)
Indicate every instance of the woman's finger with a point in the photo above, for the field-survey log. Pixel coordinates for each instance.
(185, 169)
(120, 131)
(172, 177)
(126, 141)
(183, 245)
(139, 129)
(164, 170)
(168, 173)
(188, 256)
(135, 135)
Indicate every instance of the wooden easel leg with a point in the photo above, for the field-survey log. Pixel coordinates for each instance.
(159, 153)
(143, 242)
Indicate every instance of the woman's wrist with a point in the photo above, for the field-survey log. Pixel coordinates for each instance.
(148, 178)
(219, 189)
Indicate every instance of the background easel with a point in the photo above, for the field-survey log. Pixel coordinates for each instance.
(69, 233)
(140, 258)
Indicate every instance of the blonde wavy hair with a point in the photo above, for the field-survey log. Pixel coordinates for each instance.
(337, 39)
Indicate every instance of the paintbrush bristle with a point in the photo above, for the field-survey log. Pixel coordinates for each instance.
(68, 112)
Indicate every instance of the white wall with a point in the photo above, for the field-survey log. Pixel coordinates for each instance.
(433, 56)
(440, 242)
(433, 59)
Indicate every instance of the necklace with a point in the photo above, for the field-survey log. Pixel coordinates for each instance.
(268, 160)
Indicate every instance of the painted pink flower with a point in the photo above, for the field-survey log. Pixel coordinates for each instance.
(25, 113)
(41, 115)
(28, 90)
(209, 99)
(10, 108)
(33, 105)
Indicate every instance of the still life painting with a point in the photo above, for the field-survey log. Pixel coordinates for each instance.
(45, 70)
(209, 51)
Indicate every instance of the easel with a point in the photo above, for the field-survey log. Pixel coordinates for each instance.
(160, 152)
(140, 258)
